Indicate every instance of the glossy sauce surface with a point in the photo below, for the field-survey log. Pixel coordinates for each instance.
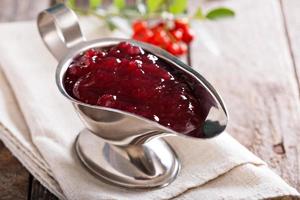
(127, 78)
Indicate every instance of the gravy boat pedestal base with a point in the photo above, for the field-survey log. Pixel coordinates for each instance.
(149, 165)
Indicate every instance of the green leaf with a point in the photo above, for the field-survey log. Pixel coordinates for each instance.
(178, 6)
(199, 14)
(154, 5)
(119, 4)
(93, 4)
(218, 13)
(71, 4)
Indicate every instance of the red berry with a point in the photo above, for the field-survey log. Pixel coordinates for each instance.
(75, 70)
(177, 33)
(143, 36)
(173, 48)
(182, 48)
(134, 51)
(160, 38)
(188, 35)
(109, 63)
(139, 26)
(132, 65)
(90, 53)
(107, 100)
(158, 26)
(123, 46)
(180, 23)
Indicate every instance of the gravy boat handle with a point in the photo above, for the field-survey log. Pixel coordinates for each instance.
(59, 29)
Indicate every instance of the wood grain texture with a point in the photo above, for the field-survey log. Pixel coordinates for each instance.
(291, 16)
(248, 60)
(39, 192)
(13, 176)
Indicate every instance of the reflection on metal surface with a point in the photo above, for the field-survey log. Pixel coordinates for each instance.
(152, 164)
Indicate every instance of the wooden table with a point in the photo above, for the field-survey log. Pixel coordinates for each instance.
(253, 60)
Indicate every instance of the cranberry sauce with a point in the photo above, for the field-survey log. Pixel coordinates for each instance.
(127, 78)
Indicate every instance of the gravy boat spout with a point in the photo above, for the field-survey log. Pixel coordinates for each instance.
(117, 146)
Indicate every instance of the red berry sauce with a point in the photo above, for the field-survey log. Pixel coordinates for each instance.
(127, 78)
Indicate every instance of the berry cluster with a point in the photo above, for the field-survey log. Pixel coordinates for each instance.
(173, 37)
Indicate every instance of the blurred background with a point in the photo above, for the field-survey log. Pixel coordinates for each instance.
(16, 10)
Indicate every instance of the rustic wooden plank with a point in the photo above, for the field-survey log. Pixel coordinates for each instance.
(291, 16)
(13, 176)
(38, 192)
(292, 26)
(248, 60)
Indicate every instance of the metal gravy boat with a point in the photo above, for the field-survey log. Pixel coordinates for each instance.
(117, 146)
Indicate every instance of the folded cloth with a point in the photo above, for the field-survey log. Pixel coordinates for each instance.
(40, 126)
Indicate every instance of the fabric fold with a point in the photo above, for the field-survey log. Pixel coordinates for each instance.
(16, 137)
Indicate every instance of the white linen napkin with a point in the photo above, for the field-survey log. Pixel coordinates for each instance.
(39, 126)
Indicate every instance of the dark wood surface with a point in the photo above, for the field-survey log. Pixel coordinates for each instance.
(13, 176)
(264, 84)
(15, 181)
(38, 192)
